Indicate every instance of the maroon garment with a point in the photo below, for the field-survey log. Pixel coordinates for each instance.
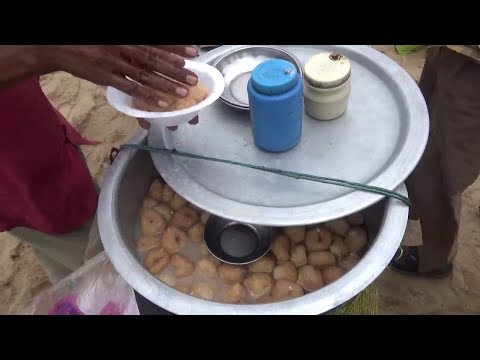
(45, 183)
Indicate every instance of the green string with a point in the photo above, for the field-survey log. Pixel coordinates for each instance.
(291, 174)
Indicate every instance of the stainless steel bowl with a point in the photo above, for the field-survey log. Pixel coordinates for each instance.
(237, 243)
(126, 183)
(237, 66)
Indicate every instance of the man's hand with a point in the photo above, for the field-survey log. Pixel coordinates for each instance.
(147, 65)
(106, 65)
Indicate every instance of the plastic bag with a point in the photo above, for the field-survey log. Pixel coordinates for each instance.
(94, 289)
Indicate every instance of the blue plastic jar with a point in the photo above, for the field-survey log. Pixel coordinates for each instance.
(275, 93)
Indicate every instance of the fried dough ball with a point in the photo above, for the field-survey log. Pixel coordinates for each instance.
(165, 211)
(184, 218)
(174, 240)
(339, 226)
(178, 202)
(183, 267)
(322, 259)
(285, 271)
(356, 219)
(195, 208)
(142, 105)
(231, 274)
(198, 92)
(338, 248)
(168, 280)
(152, 223)
(265, 299)
(356, 239)
(149, 203)
(281, 248)
(265, 265)
(183, 103)
(206, 267)
(318, 239)
(204, 290)
(185, 288)
(235, 294)
(349, 262)
(332, 274)
(156, 190)
(213, 259)
(259, 284)
(204, 249)
(296, 234)
(204, 217)
(167, 194)
(145, 243)
(310, 278)
(298, 255)
(157, 260)
(196, 232)
(285, 290)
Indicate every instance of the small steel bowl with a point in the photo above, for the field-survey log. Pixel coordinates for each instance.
(236, 243)
(237, 66)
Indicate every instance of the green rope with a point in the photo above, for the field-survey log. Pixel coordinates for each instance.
(291, 174)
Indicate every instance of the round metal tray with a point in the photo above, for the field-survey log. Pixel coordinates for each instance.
(378, 141)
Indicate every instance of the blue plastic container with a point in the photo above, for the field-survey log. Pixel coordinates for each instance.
(275, 93)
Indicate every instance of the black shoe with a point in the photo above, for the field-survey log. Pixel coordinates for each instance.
(405, 261)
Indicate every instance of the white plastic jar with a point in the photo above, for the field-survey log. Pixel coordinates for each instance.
(327, 85)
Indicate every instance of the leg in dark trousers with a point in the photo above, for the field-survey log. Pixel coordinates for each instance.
(450, 83)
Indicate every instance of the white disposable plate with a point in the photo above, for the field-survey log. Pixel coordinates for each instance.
(208, 76)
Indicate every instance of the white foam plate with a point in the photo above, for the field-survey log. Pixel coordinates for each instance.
(208, 76)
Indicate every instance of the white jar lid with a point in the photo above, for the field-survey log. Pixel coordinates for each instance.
(327, 70)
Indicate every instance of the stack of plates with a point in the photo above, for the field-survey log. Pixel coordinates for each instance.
(237, 65)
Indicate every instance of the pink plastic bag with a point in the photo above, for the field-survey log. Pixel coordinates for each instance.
(94, 289)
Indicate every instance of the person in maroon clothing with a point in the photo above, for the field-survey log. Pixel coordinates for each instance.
(47, 195)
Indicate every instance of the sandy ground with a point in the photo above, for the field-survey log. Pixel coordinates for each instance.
(84, 104)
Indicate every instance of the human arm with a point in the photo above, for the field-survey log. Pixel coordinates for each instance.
(106, 65)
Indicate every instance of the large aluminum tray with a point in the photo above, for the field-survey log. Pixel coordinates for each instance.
(378, 141)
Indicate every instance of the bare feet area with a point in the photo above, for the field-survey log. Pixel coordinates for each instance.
(84, 105)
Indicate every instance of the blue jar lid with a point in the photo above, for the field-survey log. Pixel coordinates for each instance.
(274, 76)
